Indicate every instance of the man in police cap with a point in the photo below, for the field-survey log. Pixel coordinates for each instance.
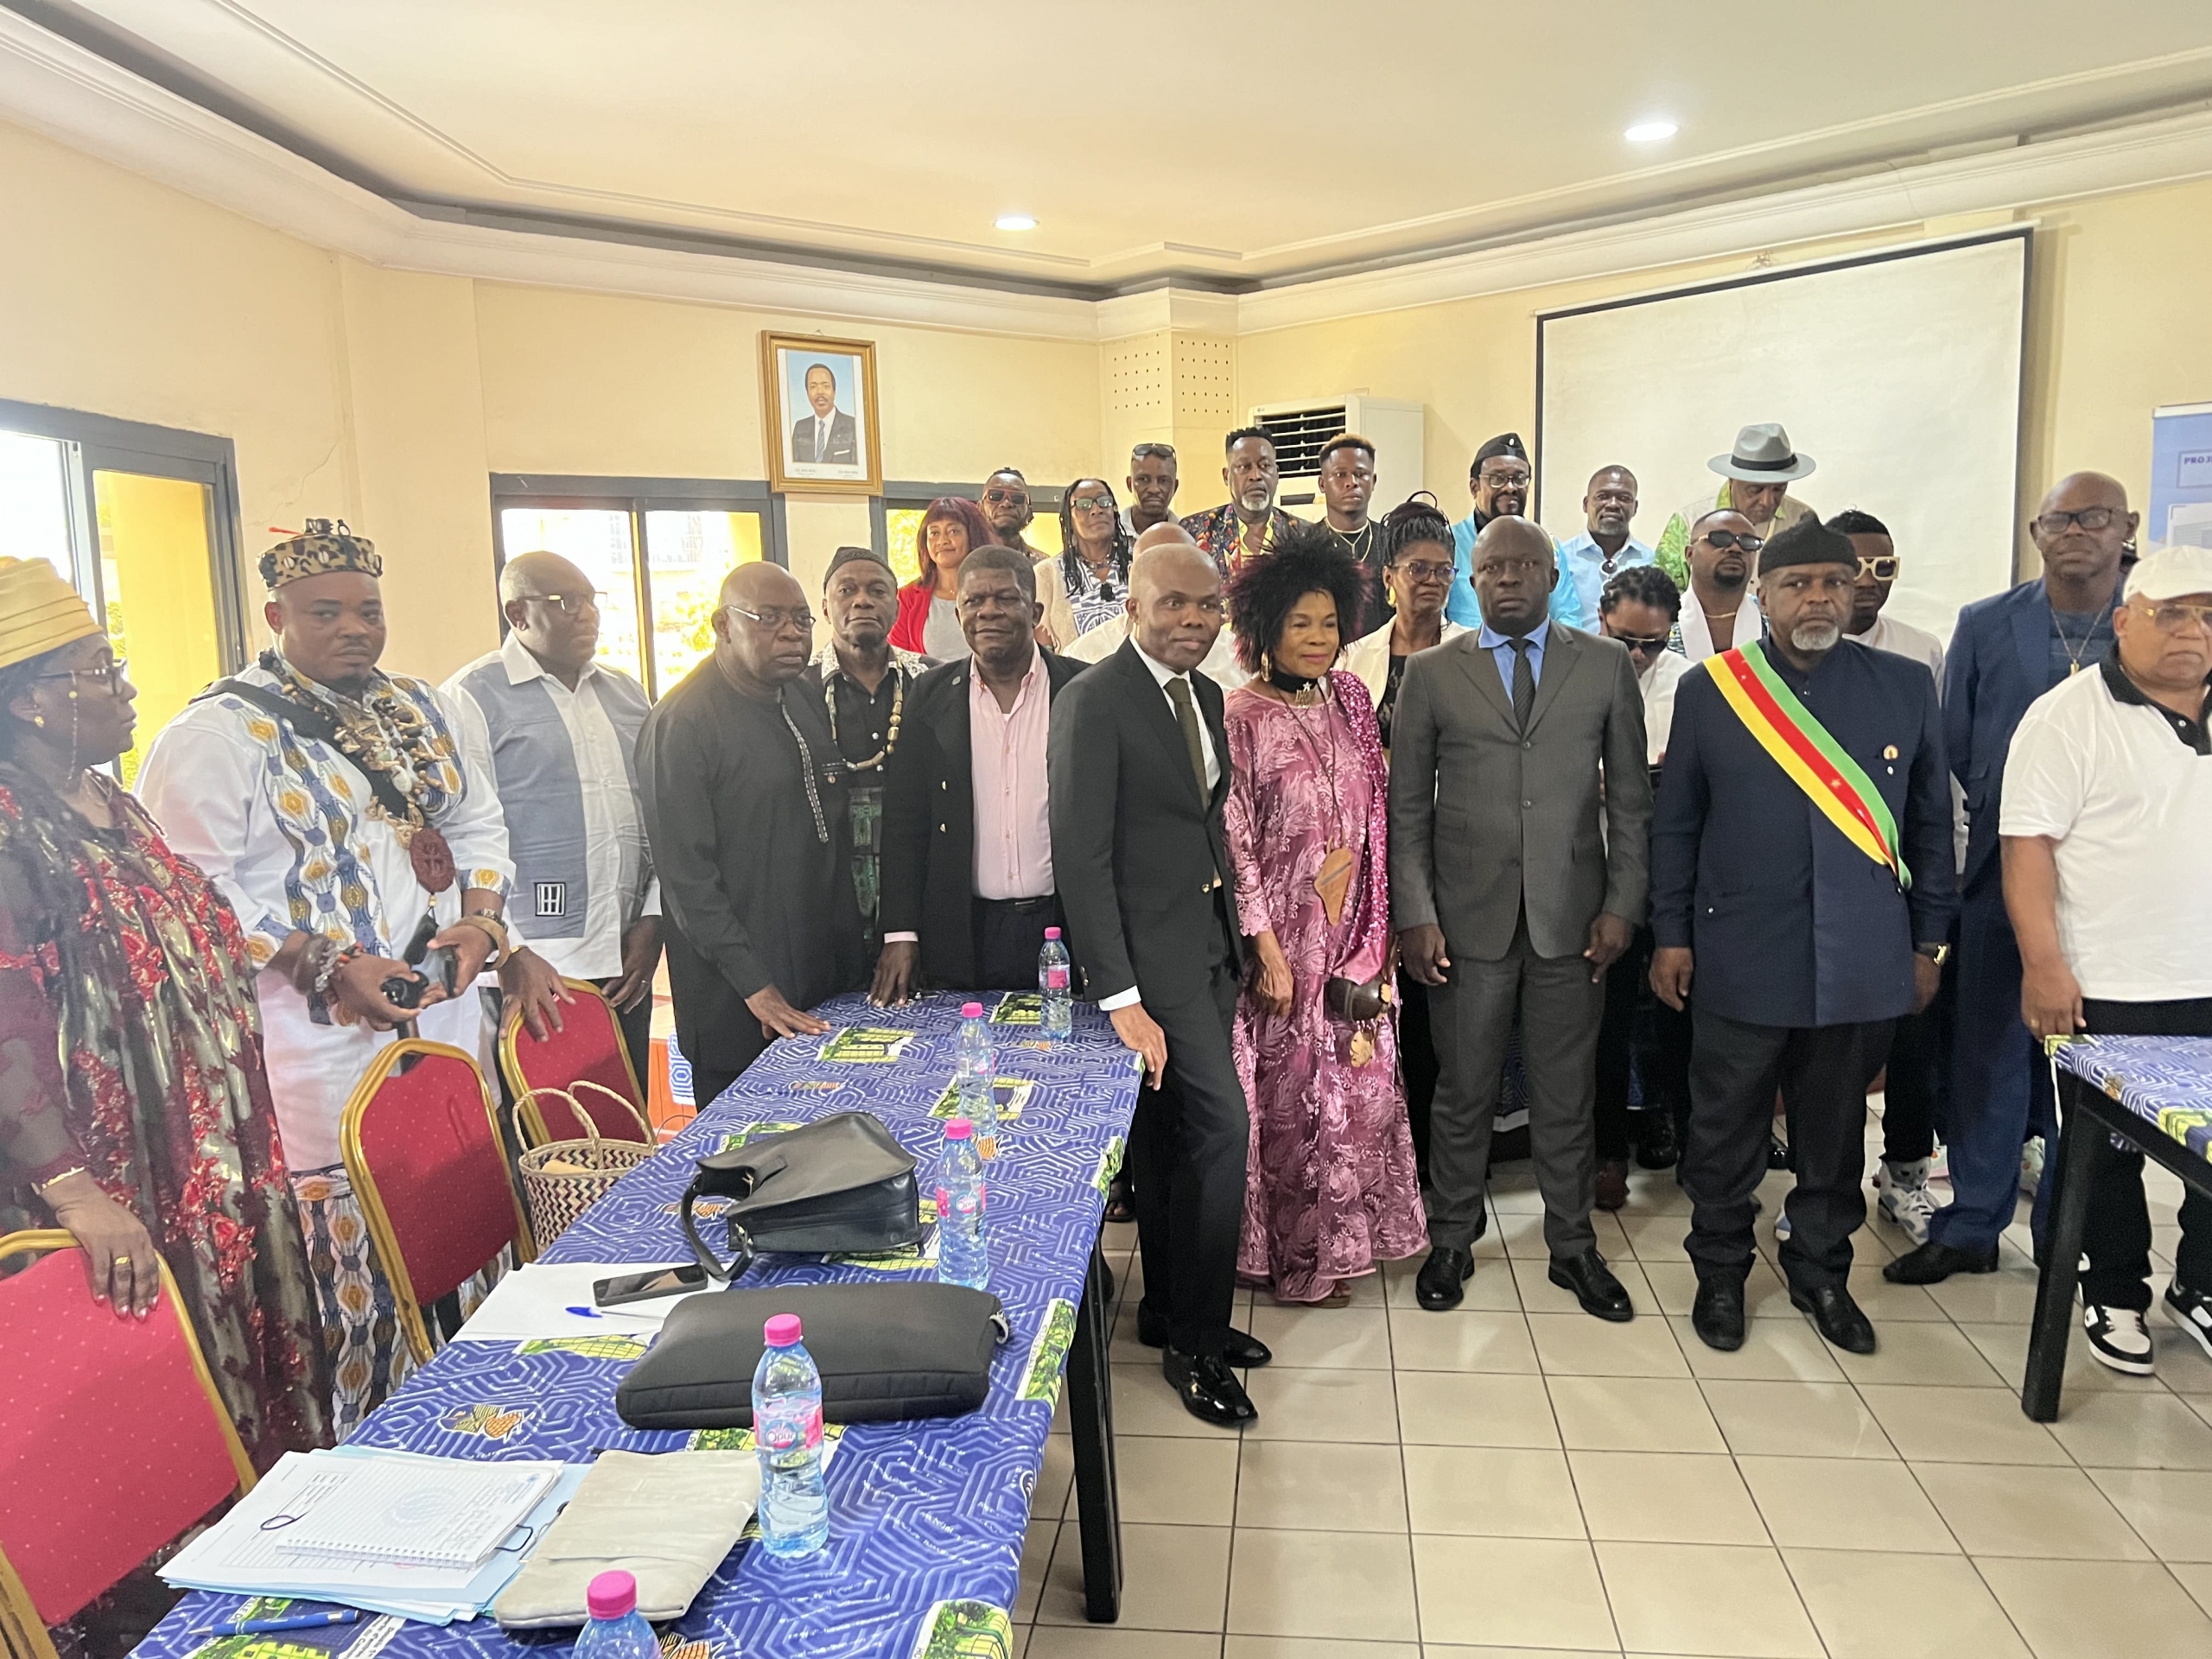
(1801, 884)
(1500, 480)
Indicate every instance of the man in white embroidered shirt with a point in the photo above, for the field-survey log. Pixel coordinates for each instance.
(556, 730)
(2108, 883)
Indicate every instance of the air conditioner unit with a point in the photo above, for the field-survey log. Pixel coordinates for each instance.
(1396, 429)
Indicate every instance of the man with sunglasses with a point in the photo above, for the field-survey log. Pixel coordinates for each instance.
(1007, 509)
(746, 809)
(554, 729)
(1879, 569)
(1720, 609)
(2005, 653)
(2108, 875)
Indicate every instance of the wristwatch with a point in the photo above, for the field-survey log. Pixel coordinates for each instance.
(1938, 954)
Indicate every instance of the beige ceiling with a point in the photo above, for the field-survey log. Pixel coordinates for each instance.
(1221, 145)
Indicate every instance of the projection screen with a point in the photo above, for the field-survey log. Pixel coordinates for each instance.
(1899, 373)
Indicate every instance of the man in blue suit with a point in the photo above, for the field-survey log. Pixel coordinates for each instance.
(1801, 875)
(2007, 651)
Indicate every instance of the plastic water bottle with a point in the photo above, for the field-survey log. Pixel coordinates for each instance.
(976, 1066)
(1055, 982)
(617, 1629)
(962, 1257)
(787, 1432)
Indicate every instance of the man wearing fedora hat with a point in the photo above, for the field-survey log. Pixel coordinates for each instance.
(1756, 475)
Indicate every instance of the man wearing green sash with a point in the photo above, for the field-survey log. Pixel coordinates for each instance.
(1802, 889)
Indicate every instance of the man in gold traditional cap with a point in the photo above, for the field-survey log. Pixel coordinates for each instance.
(329, 801)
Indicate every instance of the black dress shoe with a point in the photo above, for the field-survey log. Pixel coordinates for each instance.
(1209, 1389)
(1932, 1263)
(1836, 1317)
(1717, 1316)
(1436, 1287)
(1777, 1153)
(1602, 1295)
(1657, 1149)
(1236, 1349)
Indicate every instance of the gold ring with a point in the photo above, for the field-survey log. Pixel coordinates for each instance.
(121, 1261)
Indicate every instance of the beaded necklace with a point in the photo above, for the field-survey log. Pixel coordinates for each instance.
(890, 737)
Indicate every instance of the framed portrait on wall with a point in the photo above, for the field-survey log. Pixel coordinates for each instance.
(818, 398)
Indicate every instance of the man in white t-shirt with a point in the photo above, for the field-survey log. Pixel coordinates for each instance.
(2107, 873)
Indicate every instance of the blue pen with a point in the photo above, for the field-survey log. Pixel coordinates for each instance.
(582, 1313)
(289, 1622)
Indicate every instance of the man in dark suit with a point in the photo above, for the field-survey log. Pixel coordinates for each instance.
(1520, 801)
(1140, 768)
(2007, 651)
(828, 436)
(967, 888)
(1801, 873)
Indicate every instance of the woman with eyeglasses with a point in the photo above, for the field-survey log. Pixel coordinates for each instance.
(1417, 569)
(134, 1111)
(929, 611)
(1089, 583)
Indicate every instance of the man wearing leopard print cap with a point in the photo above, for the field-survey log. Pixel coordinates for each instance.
(329, 801)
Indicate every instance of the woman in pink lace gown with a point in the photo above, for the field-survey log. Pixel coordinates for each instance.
(1331, 1189)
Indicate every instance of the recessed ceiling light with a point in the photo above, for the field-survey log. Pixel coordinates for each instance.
(1016, 222)
(1650, 132)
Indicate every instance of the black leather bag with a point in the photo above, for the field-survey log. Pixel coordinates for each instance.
(886, 1352)
(841, 1185)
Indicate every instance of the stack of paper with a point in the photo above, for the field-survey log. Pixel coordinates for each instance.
(390, 1532)
(555, 1300)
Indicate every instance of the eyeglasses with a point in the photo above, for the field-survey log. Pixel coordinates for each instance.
(1643, 641)
(1422, 570)
(776, 618)
(2057, 523)
(1727, 538)
(1498, 480)
(1002, 497)
(1093, 504)
(2168, 618)
(1882, 568)
(568, 604)
(111, 672)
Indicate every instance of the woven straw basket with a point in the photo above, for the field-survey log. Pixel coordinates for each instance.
(563, 1178)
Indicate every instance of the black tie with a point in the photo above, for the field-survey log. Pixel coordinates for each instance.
(1186, 716)
(1524, 683)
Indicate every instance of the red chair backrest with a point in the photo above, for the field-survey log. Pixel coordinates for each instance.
(110, 1445)
(587, 1048)
(438, 1170)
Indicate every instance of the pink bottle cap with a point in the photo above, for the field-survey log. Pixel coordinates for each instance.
(1051, 932)
(611, 1595)
(959, 1128)
(781, 1330)
(971, 1010)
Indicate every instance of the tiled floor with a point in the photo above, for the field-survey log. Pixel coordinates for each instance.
(1515, 1477)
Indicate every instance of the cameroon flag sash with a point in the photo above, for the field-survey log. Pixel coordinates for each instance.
(1812, 759)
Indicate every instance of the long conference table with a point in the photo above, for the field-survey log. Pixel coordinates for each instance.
(926, 1517)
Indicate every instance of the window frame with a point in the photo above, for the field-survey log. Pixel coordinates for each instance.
(635, 497)
(101, 443)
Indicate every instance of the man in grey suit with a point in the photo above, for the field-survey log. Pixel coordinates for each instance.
(1520, 808)
(828, 435)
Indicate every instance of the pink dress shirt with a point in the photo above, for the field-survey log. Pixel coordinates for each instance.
(1014, 835)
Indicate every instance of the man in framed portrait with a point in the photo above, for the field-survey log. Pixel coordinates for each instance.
(827, 436)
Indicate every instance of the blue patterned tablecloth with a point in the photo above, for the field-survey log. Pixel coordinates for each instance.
(926, 1518)
(2166, 1081)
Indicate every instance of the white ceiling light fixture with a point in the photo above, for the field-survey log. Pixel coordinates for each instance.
(1651, 132)
(1016, 221)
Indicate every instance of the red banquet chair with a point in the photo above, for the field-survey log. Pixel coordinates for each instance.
(589, 1048)
(421, 1148)
(112, 1438)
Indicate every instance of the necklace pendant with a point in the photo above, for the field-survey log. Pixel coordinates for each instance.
(1361, 1048)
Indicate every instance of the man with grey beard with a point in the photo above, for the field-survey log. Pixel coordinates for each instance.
(1801, 891)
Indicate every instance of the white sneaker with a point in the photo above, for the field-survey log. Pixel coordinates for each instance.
(1782, 1225)
(1939, 1163)
(2118, 1338)
(1903, 1197)
(2031, 1166)
(2192, 1310)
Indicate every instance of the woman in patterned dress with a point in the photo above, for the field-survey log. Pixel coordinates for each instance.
(1330, 1189)
(134, 1111)
(1088, 582)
